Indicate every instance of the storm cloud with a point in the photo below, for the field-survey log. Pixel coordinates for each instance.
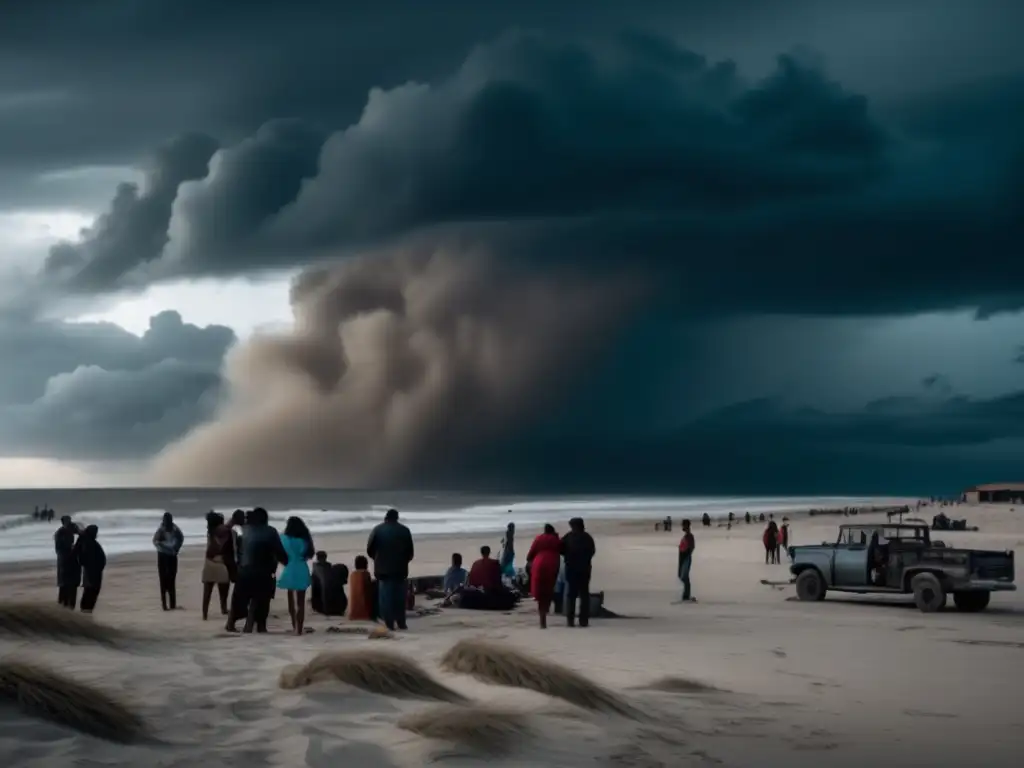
(505, 239)
(94, 391)
(774, 195)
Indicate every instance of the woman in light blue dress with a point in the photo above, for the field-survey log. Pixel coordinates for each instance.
(298, 543)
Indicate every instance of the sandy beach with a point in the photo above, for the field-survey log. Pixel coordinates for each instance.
(747, 676)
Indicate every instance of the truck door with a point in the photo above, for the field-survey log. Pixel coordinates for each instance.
(850, 567)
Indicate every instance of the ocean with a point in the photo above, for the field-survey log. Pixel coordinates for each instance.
(127, 518)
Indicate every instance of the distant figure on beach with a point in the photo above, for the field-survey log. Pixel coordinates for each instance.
(219, 565)
(746, 517)
(455, 577)
(261, 553)
(706, 520)
(543, 560)
(168, 540)
(508, 551)
(391, 548)
(485, 573)
(360, 592)
(578, 549)
(784, 535)
(93, 560)
(687, 545)
(771, 543)
(69, 572)
(298, 543)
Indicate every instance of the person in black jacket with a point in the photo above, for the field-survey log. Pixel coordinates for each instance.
(69, 572)
(93, 560)
(390, 546)
(261, 552)
(578, 551)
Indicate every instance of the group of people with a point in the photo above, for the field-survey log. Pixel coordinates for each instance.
(558, 570)
(80, 563)
(776, 541)
(244, 554)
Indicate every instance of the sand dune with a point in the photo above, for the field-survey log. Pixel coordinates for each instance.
(375, 671)
(745, 677)
(503, 665)
(44, 693)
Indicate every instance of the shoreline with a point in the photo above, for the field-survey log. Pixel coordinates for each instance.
(348, 540)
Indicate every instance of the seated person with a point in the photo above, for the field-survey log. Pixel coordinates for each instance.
(321, 573)
(455, 577)
(361, 592)
(486, 572)
(334, 597)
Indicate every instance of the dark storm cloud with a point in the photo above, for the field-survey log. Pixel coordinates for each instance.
(99, 84)
(134, 231)
(781, 194)
(95, 391)
(893, 446)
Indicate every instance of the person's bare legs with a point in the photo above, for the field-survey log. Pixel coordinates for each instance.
(291, 606)
(207, 594)
(300, 610)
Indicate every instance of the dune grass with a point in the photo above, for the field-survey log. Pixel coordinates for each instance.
(387, 674)
(42, 693)
(501, 665)
(681, 685)
(31, 621)
(479, 728)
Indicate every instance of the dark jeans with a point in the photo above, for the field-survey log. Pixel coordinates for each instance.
(391, 596)
(577, 588)
(167, 570)
(67, 596)
(684, 576)
(256, 590)
(89, 597)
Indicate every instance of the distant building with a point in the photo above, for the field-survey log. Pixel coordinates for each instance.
(1005, 493)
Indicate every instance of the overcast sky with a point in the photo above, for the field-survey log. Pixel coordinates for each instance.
(706, 247)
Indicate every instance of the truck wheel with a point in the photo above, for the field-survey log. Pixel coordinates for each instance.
(810, 586)
(929, 595)
(971, 602)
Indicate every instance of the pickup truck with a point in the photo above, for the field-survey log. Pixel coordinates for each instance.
(901, 559)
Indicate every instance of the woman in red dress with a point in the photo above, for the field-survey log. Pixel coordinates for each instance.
(544, 559)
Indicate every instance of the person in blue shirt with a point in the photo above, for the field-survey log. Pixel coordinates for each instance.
(455, 577)
(298, 544)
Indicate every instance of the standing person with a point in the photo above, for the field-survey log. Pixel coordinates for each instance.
(93, 560)
(391, 549)
(298, 543)
(578, 549)
(771, 543)
(687, 545)
(236, 605)
(219, 563)
(544, 559)
(261, 553)
(168, 540)
(69, 572)
(507, 557)
(784, 535)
